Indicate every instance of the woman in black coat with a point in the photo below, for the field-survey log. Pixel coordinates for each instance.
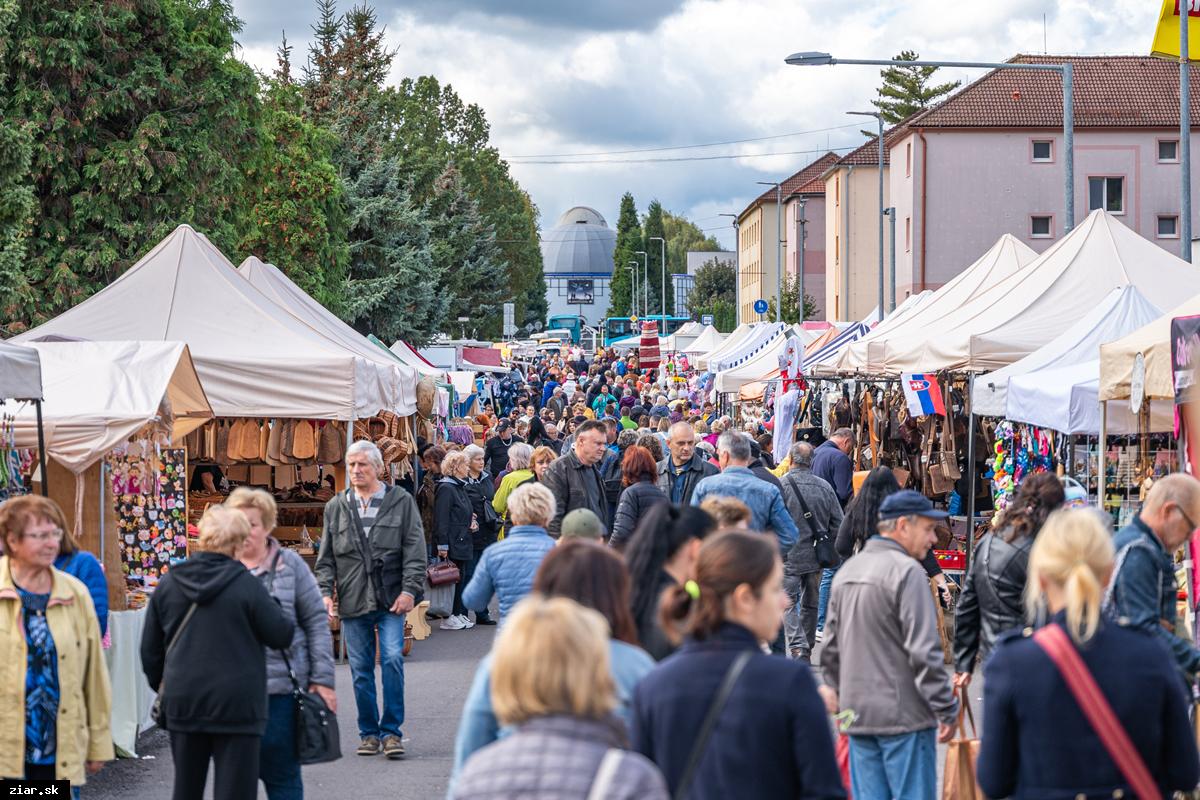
(482, 490)
(639, 475)
(455, 524)
(213, 685)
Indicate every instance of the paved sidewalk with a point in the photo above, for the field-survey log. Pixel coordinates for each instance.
(437, 676)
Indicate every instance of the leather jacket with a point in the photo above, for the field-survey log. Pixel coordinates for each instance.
(992, 600)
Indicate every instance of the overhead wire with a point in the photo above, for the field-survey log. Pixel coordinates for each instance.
(686, 158)
(684, 146)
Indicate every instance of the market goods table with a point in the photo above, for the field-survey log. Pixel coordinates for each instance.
(437, 676)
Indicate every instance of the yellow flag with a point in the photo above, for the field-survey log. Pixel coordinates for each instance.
(1166, 35)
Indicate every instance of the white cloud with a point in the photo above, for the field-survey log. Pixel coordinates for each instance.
(706, 71)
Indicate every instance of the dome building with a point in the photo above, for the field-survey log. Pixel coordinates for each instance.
(577, 260)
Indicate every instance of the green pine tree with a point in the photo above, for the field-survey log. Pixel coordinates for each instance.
(906, 90)
(16, 195)
(715, 292)
(652, 230)
(629, 241)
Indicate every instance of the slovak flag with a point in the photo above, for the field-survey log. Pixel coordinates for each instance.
(923, 394)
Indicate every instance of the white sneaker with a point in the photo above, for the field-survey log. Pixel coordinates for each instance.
(466, 621)
(452, 623)
(820, 637)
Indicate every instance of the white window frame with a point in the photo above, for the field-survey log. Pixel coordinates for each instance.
(1032, 151)
(1050, 230)
(1106, 179)
(1158, 151)
(1158, 231)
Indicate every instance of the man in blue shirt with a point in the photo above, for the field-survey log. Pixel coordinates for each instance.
(831, 463)
(764, 499)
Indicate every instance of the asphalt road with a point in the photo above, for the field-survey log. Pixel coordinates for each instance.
(437, 675)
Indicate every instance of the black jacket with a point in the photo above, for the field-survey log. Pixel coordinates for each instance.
(452, 514)
(481, 492)
(697, 469)
(216, 678)
(495, 451)
(635, 502)
(992, 601)
(650, 633)
(574, 486)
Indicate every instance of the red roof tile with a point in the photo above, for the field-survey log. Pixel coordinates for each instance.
(807, 181)
(1109, 92)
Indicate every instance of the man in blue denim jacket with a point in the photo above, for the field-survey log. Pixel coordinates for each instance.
(736, 480)
(1143, 588)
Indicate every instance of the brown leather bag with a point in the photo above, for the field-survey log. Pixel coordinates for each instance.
(221, 455)
(332, 447)
(304, 444)
(264, 438)
(274, 439)
(285, 442)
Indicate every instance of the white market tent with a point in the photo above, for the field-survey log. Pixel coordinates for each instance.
(739, 335)
(254, 359)
(682, 338)
(1056, 386)
(820, 359)
(1004, 258)
(271, 281)
(1031, 307)
(1153, 342)
(761, 364)
(406, 353)
(758, 338)
(20, 373)
(98, 394)
(707, 341)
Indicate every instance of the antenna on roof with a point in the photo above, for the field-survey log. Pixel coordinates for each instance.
(1044, 49)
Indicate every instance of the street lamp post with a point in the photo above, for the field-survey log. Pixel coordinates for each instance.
(737, 270)
(812, 59)
(645, 282)
(878, 118)
(633, 284)
(662, 244)
(891, 214)
(778, 246)
(801, 234)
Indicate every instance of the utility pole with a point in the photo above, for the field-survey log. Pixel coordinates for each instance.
(737, 270)
(891, 213)
(1185, 133)
(645, 281)
(778, 247)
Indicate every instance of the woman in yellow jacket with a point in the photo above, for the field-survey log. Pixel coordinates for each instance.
(54, 691)
(518, 473)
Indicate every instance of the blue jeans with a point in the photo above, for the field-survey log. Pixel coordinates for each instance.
(823, 596)
(360, 646)
(903, 766)
(278, 768)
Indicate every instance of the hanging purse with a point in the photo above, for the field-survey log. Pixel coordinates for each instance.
(317, 737)
(442, 572)
(823, 547)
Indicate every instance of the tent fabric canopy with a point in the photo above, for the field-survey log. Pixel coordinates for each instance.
(708, 340)
(749, 346)
(253, 357)
(98, 394)
(1067, 399)
(821, 357)
(765, 362)
(482, 359)
(405, 352)
(1037, 303)
(20, 373)
(733, 340)
(1153, 341)
(1004, 258)
(1122, 311)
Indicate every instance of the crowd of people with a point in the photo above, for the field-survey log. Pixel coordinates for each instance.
(679, 616)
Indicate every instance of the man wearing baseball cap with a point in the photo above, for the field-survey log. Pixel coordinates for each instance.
(883, 656)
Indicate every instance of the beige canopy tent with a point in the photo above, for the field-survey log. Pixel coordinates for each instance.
(707, 341)
(98, 394)
(1034, 305)
(739, 335)
(1002, 259)
(20, 373)
(1153, 342)
(763, 363)
(253, 357)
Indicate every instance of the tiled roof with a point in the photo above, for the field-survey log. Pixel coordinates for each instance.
(1109, 92)
(868, 154)
(807, 180)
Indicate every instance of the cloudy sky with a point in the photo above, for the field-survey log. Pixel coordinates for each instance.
(631, 82)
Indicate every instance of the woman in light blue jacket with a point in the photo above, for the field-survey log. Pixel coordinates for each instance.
(506, 568)
(593, 576)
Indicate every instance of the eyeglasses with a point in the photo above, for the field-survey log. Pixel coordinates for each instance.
(1186, 518)
(56, 534)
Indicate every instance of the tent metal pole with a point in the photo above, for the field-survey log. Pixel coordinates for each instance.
(1102, 450)
(972, 472)
(41, 430)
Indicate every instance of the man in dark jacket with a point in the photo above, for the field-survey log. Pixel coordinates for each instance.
(1142, 589)
(679, 472)
(367, 530)
(496, 449)
(575, 479)
(801, 571)
(831, 463)
(214, 685)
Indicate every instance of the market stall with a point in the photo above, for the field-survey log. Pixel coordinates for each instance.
(740, 334)
(20, 380)
(752, 343)
(708, 340)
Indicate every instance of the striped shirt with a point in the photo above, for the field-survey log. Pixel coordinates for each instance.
(368, 509)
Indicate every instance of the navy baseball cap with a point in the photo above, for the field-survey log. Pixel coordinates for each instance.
(907, 503)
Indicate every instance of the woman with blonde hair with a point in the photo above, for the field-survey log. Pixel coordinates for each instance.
(202, 649)
(455, 524)
(542, 458)
(551, 682)
(1038, 739)
(292, 584)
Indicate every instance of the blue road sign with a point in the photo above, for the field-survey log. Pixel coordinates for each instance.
(760, 306)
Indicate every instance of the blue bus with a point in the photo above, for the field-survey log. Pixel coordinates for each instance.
(568, 322)
(618, 328)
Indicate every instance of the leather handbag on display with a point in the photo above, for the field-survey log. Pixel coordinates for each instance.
(442, 573)
(958, 778)
(304, 444)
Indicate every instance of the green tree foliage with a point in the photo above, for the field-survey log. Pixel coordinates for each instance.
(791, 303)
(140, 118)
(629, 242)
(684, 236)
(715, 292)
(16, 193)
(906, 90)
(652, 228)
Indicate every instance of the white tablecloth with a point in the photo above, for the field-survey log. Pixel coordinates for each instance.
(132, 697)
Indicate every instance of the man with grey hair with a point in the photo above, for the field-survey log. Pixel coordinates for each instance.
(816, 511)
(736, 480)
(681, 471)
(372, 553)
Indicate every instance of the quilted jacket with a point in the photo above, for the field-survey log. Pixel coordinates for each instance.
(635, 502)
(555, 758)
(506, 568)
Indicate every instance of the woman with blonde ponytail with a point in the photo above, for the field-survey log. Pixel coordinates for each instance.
(1037, 741)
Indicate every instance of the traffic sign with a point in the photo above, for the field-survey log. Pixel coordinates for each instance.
(706, 319)
(760, 306)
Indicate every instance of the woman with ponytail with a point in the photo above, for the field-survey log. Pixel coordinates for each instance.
(991, 600)
(720, 717)
(1037, 739)
(662, 554)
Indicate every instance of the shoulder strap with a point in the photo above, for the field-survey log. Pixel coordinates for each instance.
(361, 539)
(602, 781)
(710, 722)
(179, 631)
(805, 510)
(1095, 707)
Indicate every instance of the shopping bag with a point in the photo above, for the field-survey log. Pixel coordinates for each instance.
(958, 778)
(441, 600)
(843, 762)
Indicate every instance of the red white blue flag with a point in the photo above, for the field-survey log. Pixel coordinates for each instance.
(923, 394)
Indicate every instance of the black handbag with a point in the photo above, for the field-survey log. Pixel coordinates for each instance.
(317, 739)
(822, 542)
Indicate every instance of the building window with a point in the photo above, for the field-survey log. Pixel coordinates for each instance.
(1107, 193)
(1043, 151)
(1168, 151)
(908, 158)
(1041, 226)
(1168, 226)
(837, 248)
(837, 190)
(907, 234)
